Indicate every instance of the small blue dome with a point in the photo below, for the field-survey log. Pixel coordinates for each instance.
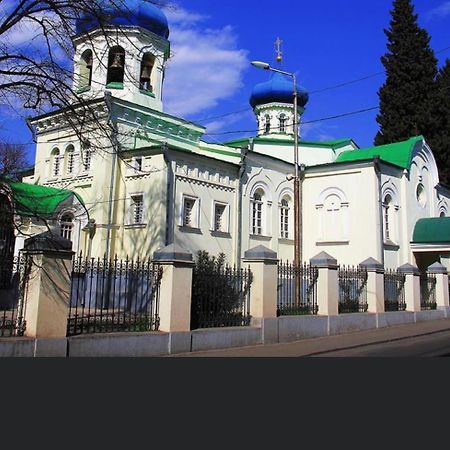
(130, 13)
(277, 90)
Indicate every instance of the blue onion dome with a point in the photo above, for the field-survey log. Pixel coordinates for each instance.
(136, 13)
(279, 89)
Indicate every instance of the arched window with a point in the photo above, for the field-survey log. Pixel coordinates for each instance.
(284, 217)
(87, 159)
(267, 124)
(257, 215)
(70, 160)
(388, 210)
(283, 121)
(56, 162)
(148, 61)
(116, 65)
(86, 64)
(66, 226)
(442, 214)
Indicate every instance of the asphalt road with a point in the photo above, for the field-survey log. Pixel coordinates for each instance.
(435, 345)
(425, 339)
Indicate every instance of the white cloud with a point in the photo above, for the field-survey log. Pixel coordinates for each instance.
(206, 66)
(440, 12)
(216, 126)
(317, 132)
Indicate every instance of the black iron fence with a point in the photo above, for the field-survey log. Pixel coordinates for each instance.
(14, 275)
(428, 291)
(300, 300)
(110, 296)
(394, 291)
(220, 297)
(352, 290)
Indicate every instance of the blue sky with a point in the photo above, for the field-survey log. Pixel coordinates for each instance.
(326, 42)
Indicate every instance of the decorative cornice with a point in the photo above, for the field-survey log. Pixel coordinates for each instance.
(206, 183)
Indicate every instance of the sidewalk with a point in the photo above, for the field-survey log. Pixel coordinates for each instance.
(311, 347)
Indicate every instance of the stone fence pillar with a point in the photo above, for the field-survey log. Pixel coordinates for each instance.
(442, 294)
(48, 288)
(412, 287)
(176, 288)
(375, 285)
(327, 284)
(263, 292)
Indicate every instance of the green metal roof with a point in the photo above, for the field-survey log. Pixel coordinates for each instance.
(432, 231)
(290, 141)
(398, 154)
(38, 201)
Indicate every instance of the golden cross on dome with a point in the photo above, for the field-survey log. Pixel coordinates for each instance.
(278, 50)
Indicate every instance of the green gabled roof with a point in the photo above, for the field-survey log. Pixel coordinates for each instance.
(38, 201)
(432, 231)
(290, 141)
(399, 154)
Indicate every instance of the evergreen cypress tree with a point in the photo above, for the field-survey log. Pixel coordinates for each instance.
(440, 140)
(407, 97)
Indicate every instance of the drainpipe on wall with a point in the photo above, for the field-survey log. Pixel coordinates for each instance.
(115, 147)
(242, 171)
(376, 163)
(169, 197)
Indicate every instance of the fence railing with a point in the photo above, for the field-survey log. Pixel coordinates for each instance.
(352, 290)
(300, 301)
(394, 291)
(14, 276)
(114, 296)
(428, 292)
(220, 297)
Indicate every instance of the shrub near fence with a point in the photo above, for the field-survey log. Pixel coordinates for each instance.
(114, 296)
(306, 301)
(352, 290)
(220, 294)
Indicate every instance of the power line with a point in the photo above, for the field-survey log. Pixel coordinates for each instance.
(352, 113)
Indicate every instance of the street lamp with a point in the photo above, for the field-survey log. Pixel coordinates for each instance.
(296, 178)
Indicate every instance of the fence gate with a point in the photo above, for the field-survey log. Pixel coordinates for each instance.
(352, 290)
(300, 301)
(114, 296)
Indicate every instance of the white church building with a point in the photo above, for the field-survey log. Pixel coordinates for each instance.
(154, 181)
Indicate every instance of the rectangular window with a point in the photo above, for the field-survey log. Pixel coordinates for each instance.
(220, 218)
(138, 163)
(257, 218)
(386, 224)
(189, 212)
(70, 163)
(137, 209)
(56, 166)
(284, 223)
(87, 160)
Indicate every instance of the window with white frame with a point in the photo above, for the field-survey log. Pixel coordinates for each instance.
(87, 159)
(389, 219)
(137, 209)
(284, 218)
(66, 226)
(221, 217)
(267, 124)
(70, 160)
(257, 207)
(138, 164)
(283, 121)
(56, 160)
(190, 212)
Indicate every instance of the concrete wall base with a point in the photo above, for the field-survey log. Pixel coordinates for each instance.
(295, 328)
(446, 310)
(424, 316)
(218, 338)
(269, 331)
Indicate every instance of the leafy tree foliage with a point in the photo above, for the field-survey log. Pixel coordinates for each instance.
(219, 293)
(407, 99)
(440, 140)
